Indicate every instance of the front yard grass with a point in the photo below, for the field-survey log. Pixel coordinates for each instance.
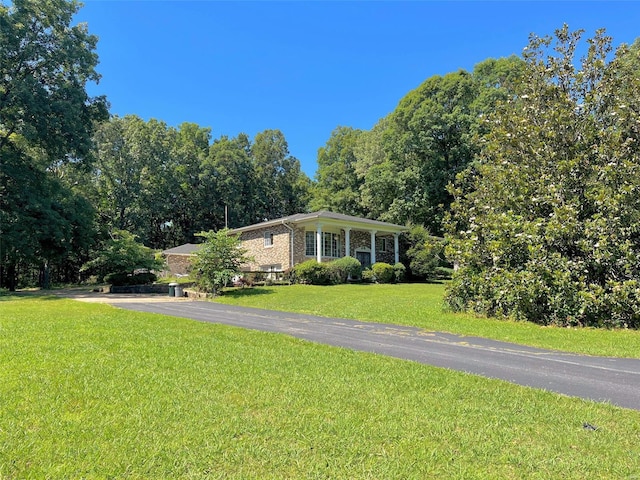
(422, 305)
(90, 391)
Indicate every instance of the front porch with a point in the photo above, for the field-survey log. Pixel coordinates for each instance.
(368, 246)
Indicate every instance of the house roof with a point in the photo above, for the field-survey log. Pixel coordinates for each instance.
(327, 218)
(186, 249)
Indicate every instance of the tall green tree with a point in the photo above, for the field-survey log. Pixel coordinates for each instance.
(197, 206)
(337, 186)
(158, 188)
(119, 166)
(406, 161)
(229, 161)
(283, 187)
(135, 187)
(546, 227)
(46, 121)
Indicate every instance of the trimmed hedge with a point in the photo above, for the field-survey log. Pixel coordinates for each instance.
(343, 269)
(335, 272)
(383, 272)
(311, 272)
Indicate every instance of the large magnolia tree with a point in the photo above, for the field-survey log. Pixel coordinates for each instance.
(546, 225)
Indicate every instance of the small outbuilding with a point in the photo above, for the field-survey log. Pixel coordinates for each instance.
(178, 258)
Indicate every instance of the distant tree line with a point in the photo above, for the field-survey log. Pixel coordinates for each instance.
(166, 184)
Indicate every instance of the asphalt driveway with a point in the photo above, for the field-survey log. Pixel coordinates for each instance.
(613, 380)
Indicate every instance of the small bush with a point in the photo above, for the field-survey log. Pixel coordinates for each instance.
(289, 275)
(312, 272)
(368, 275)
(399, 272)
(254, 277)
(383, 272)
(344, 268)
(444, 273)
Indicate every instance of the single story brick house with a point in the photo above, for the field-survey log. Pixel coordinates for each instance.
(277, 245)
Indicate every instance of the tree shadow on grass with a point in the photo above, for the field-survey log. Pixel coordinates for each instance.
(40, 295)
(248, 292)
(431, 281)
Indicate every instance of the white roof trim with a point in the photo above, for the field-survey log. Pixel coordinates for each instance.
(328, 218)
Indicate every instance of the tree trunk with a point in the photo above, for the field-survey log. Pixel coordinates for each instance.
(9, 277)
(45, 277)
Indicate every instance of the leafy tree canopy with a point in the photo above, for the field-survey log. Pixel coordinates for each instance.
(46, 122)
(165, 184)
(399, 170)
(425, 252)
(122, 255)
(337, 185)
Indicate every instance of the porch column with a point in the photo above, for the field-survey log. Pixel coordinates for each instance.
(347, 242)
(373, 246)
(396, 248)
(319, 242)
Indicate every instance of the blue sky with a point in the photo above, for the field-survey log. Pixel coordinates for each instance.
(308, 67)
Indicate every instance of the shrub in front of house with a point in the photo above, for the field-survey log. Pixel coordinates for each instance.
(335, 272)
(383, 272)
(399, 272)
(368, 276)
(312, 272)
(343, 269)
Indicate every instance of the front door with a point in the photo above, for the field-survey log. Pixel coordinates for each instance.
(364, 258)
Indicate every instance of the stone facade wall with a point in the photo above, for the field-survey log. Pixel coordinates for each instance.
(178, 264)
(360, 239)
(275, 257)
(386, 255)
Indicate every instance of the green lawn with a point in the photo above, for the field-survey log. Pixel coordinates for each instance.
(90, 391)
(422, 305)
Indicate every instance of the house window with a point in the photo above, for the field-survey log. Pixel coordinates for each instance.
(310, 244)
(331, 244)
(385, 245)
(268, 239)
(272, 271)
